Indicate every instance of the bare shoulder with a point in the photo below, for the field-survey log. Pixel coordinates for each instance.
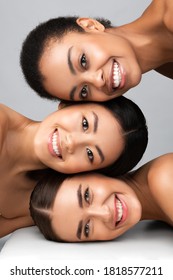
(160, 169)
(3, 122)
(160, 182)
(5, 114)
(9, 225)
(3, 111)
(168, 15)
(162, 11)
(10, 117)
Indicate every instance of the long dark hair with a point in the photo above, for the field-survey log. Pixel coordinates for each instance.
(134, 131)
(42, 201)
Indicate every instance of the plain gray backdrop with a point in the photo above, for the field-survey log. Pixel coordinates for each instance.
(154, 94)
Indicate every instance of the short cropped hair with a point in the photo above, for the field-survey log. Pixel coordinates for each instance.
(35, 43)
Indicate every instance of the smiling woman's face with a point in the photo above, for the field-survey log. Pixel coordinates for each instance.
(94, 207)
(79, 138)
(96, 65)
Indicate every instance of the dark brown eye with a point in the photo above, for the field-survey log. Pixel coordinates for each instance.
(84, 92)
(83, 61)
(87, 230)
(87, 195)
(90, 155)
(85, 124)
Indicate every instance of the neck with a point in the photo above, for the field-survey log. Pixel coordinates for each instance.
(20, 147)
(150, 39)
(150, 209)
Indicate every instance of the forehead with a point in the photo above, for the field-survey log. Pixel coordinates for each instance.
(69, 37)
(69, 188)
(66, 209)
(103, 112)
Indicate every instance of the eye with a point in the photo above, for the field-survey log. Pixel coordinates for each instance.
(84, 92)
(87, 195)
(87, 230)
(83, 61)
(85, 124)
(90, 155)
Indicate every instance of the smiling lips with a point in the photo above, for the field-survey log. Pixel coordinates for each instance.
(118, 211)
(117, 76)
(54, 145)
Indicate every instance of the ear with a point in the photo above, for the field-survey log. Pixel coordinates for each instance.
(63, 104)
(90, 24)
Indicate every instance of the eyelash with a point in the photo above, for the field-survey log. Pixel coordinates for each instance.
(84, 92)
(83, 60)
(84, 65)
(87, 195)
(87, 229)
(87, 199)
(90, 155)
(85, 126)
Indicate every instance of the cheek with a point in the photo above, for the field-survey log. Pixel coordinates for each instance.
(69, 120)
(100, 56)
(102, 192)
(76, 163)
(102, 232)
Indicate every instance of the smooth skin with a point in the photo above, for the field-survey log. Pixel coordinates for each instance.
(91, 139)
(89, 203)
(81, 66)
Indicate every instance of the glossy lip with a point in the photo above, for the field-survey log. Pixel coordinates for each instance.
(110, 88)
(115, 210)
(50, 146)
(123, 76)
(125, 211)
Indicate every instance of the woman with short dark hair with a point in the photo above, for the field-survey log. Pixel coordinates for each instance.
(73, 58)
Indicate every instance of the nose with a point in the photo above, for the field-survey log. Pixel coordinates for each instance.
(73, 141)
(96, 78)
(102, 212)
(69, 143)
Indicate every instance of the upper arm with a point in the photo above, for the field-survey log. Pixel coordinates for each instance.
(160, 181)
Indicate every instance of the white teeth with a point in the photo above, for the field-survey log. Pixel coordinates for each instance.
(119, 210)
(55, 145)
(116, 75)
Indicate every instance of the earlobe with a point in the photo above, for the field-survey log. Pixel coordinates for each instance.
(61, 105)
(90, 24)
(64, 104)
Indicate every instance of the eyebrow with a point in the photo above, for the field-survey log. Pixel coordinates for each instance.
(70, 64)
(79, 230)
(96, 120)
(79, 196)
(72, 70)
(102, 157)
(80, 225)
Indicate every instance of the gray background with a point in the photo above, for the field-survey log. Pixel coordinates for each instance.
(17, 17)
(154, 94)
